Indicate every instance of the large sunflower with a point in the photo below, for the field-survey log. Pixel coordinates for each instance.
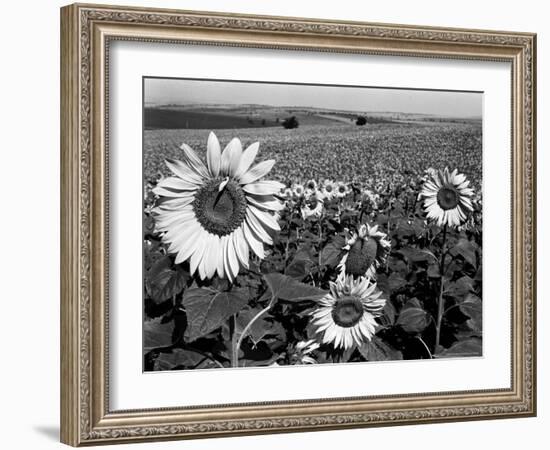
(366, 250)
(346, 316)
(214, 214)
(447, 197)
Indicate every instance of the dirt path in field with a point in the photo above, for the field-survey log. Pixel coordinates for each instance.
(335, 118)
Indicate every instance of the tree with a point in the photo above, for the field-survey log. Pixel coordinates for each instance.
(291, 122)
(361, 120)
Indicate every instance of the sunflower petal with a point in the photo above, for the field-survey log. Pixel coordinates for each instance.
(174, 204)
(177, 184)
(162, 192)
(231, 157)
(183, 171)
(194, 161)
(168, 222)
(258, 229)
(264, 187)
(247, 159)
(232, 264)
(221, 256)
(257, 172)
(188, 247)
(270, 205)
(241, 247)
(204, 262)
(213, 154)
(265, 218)
(197, 255)
(254, 242)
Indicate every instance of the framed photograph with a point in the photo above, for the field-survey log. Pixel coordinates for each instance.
(277, 224)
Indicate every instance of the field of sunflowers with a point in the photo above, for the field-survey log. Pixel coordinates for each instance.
(321, 244)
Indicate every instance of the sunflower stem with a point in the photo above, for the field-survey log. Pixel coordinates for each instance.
(388, 224)
(287, 245)
(233, 333)
(425, 346)
(441, 300)
(321, 240)
(363, 209)
(237, 345)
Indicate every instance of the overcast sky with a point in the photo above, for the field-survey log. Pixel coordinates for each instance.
(184, 92)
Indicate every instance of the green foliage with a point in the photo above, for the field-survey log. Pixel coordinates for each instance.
(265, 328)
(157, 334)
(207, 309)
(290, 123)
(194, 324)
(463, 349)
(377, 350)
(378, 153)
(164, 280)
(283, 287)
(361, 120)
(413, 318)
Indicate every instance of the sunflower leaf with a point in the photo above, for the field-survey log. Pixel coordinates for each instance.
(415, 255)
(466, 249)
(412, 318)
(389, 313)
(377, 350)
(396, 281)
(460, 288)
(472, 307)
(163, 281)
(301, 264)
(299, 268)
(397, 266)
(182, 359)
(332, 252)
(157, 334)
(207, 309)
(288, 289)
(461, 349)
(266, 326)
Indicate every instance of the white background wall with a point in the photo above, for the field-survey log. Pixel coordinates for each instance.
(29, 222)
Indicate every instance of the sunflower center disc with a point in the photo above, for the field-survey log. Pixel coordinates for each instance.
(220, 212)
(361, 256)
(347, 312)
(447, 198)
(312, 203)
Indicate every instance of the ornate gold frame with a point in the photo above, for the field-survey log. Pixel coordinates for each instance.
(86, 31)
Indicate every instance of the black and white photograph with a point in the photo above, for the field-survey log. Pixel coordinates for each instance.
(296, 224)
